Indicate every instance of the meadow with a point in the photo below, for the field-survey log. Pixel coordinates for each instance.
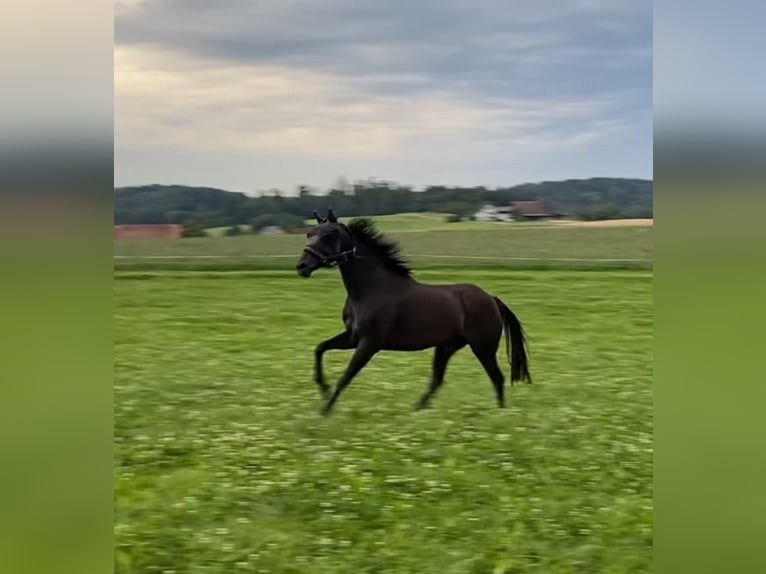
(421, 221)
(223, 465)
(427, 241)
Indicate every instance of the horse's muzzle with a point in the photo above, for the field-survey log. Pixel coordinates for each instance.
(304, 269)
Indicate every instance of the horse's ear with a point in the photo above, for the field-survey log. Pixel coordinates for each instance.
(331, 216)
(319, 219)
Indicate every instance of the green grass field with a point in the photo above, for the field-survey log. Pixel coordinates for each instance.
(425, 221)
(488, 245)
(223, 464)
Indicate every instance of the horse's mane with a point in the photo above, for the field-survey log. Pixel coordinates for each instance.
(364, 232)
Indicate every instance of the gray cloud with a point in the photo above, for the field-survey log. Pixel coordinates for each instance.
(536, 48)
(540, 70)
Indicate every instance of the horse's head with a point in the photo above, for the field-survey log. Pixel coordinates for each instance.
(329, 244)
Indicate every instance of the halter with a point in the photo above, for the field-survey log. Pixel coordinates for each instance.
(331, 260)
(337, 258)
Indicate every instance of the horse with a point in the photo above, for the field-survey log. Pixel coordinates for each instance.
(386, 309)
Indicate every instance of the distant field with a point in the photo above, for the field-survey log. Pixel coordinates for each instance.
(437, 222)
(430, 221)
(426, 221)
(426, 242)
(222, 464)
(611, 223)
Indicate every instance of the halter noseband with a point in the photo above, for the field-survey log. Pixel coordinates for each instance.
(331, 260)
(336, 258)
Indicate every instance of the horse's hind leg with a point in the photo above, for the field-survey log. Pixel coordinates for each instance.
(342, 340)
(487, 355)
(442, 355)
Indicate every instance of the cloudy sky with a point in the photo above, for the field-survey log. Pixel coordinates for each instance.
(247, 95)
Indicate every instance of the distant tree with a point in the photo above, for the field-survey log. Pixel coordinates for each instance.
(453, 218)
(193, 229)
(594, 198)
(460, 208)
(261, 221)
(292, 223)
(586, 214)
(233, 231)
(606, 211)
(342, 185)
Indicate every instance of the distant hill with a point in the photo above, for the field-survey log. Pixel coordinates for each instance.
(595, 198)
(176, 204)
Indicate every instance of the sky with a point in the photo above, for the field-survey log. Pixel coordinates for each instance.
(252, 95)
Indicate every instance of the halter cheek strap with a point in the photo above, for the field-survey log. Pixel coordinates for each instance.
(331, 260)
(336, 258)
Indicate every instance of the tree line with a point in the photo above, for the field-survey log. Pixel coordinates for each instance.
(203, 207)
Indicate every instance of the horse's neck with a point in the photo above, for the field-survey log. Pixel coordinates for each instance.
(362, 276)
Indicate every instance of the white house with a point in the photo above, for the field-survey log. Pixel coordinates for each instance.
(489, 212)
(271, 230)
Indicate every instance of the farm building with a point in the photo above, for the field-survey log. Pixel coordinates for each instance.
(489, 212)
(533, 211)
(271, 230)
(158, 231)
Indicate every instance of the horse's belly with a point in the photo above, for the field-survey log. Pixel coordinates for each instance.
(417, 333)
(413, 346)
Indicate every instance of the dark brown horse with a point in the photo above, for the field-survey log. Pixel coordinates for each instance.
(387, 309)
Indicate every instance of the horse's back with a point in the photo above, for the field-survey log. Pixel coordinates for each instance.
(470, 295)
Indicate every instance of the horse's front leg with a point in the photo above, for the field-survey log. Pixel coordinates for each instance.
(340, 341)
(365, 350)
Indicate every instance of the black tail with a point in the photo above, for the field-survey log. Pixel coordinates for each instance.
(515, 344)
